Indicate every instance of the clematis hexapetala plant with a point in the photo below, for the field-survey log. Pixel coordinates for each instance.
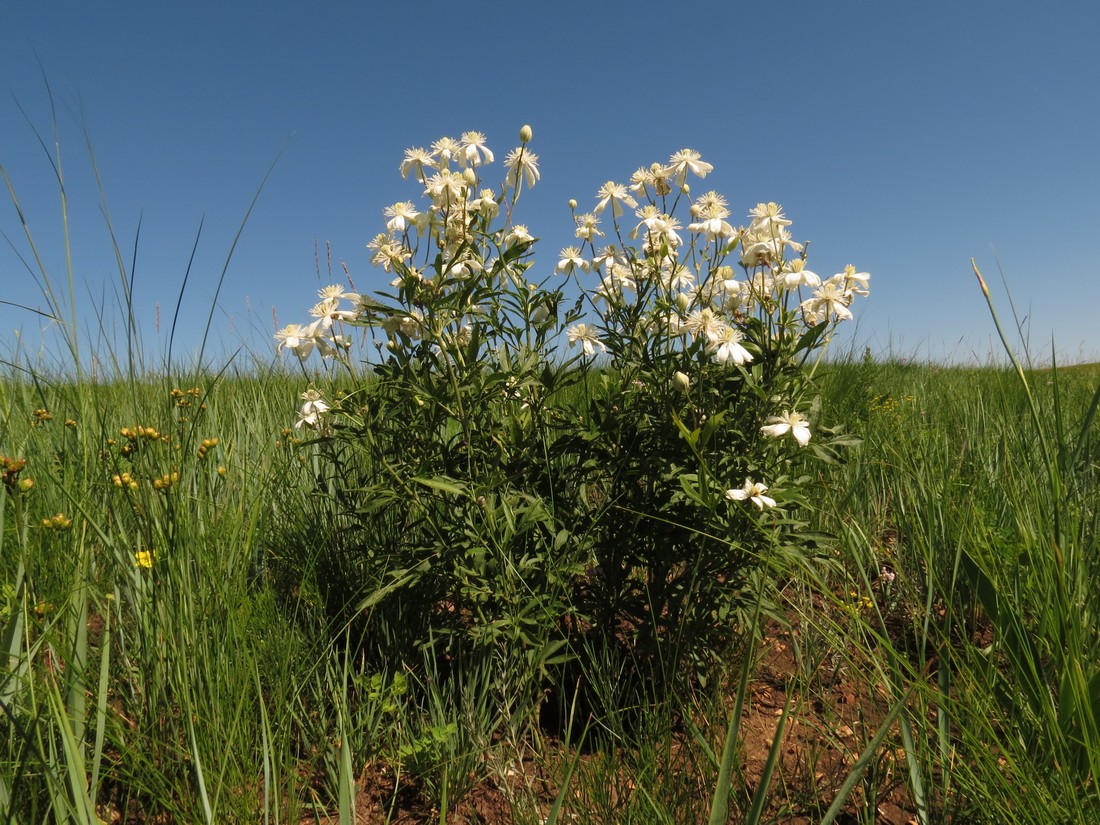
(605, 445)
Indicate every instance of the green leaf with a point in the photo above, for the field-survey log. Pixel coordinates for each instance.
(442, 484)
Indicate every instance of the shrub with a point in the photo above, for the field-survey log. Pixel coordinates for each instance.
(520, 468)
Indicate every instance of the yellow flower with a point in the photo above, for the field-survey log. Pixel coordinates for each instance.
(143, 558)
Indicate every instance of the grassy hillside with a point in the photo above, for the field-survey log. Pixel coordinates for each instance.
(181, 643)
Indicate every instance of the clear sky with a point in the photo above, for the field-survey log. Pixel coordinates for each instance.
(904, 138)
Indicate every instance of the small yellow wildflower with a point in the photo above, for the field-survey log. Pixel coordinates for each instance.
(144, 558)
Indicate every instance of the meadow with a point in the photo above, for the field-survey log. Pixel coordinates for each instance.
(659, 557)
(176, 650)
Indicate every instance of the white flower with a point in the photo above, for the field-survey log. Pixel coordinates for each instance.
(617, 195)
(855, 283)
(656, 227)
(465, 268)
(313, 407)
(655, 178)
(713, 228)
(474, 151)
(446, 149)
(761, 247)
(681, 381)
(486, 205)
(586, 226)
(792, 422)
(445, 188)
(704, 322)
(518, 235)
(407, 325)
(296, 338)
(388, 252)
(328, 312)
(416, 161)
(688, 160)
(664, 323)
(767, 218)
(676, 277)
(571, 259)
(606, 258)
(752, 491)
(796, 275)
(830, 300)
(338, 292)
(401, 216)
(710, 205)
(523, 164)
(727, 348)
(587, 337)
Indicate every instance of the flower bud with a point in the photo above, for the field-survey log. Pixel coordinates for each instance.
(470, 176)
(683, 301)
(681, 381)
(525, 134)
(572, 203)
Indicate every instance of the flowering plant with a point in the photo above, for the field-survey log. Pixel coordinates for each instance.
(517, 468)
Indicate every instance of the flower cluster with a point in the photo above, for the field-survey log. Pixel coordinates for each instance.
(459, 210)
(708, 295)
(10, 469)
(58, 521)
(435, 251)
(688, 286)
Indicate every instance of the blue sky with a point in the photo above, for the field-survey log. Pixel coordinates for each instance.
(904, 138)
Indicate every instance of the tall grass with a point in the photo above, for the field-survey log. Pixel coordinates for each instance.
(970, 519)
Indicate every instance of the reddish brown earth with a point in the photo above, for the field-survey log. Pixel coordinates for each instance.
(824, 735)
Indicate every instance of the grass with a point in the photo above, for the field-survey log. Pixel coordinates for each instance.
(212, 687)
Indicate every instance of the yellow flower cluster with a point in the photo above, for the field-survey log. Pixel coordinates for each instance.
(125, 480)
(144, 558)
(135, 435)
(57, 522)
(166, 480)
(10, 468)
(42, 415)
(287, 438)
(186, 398)
(888, 406)
(861, 603)
(139, 431)
(207, 445)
